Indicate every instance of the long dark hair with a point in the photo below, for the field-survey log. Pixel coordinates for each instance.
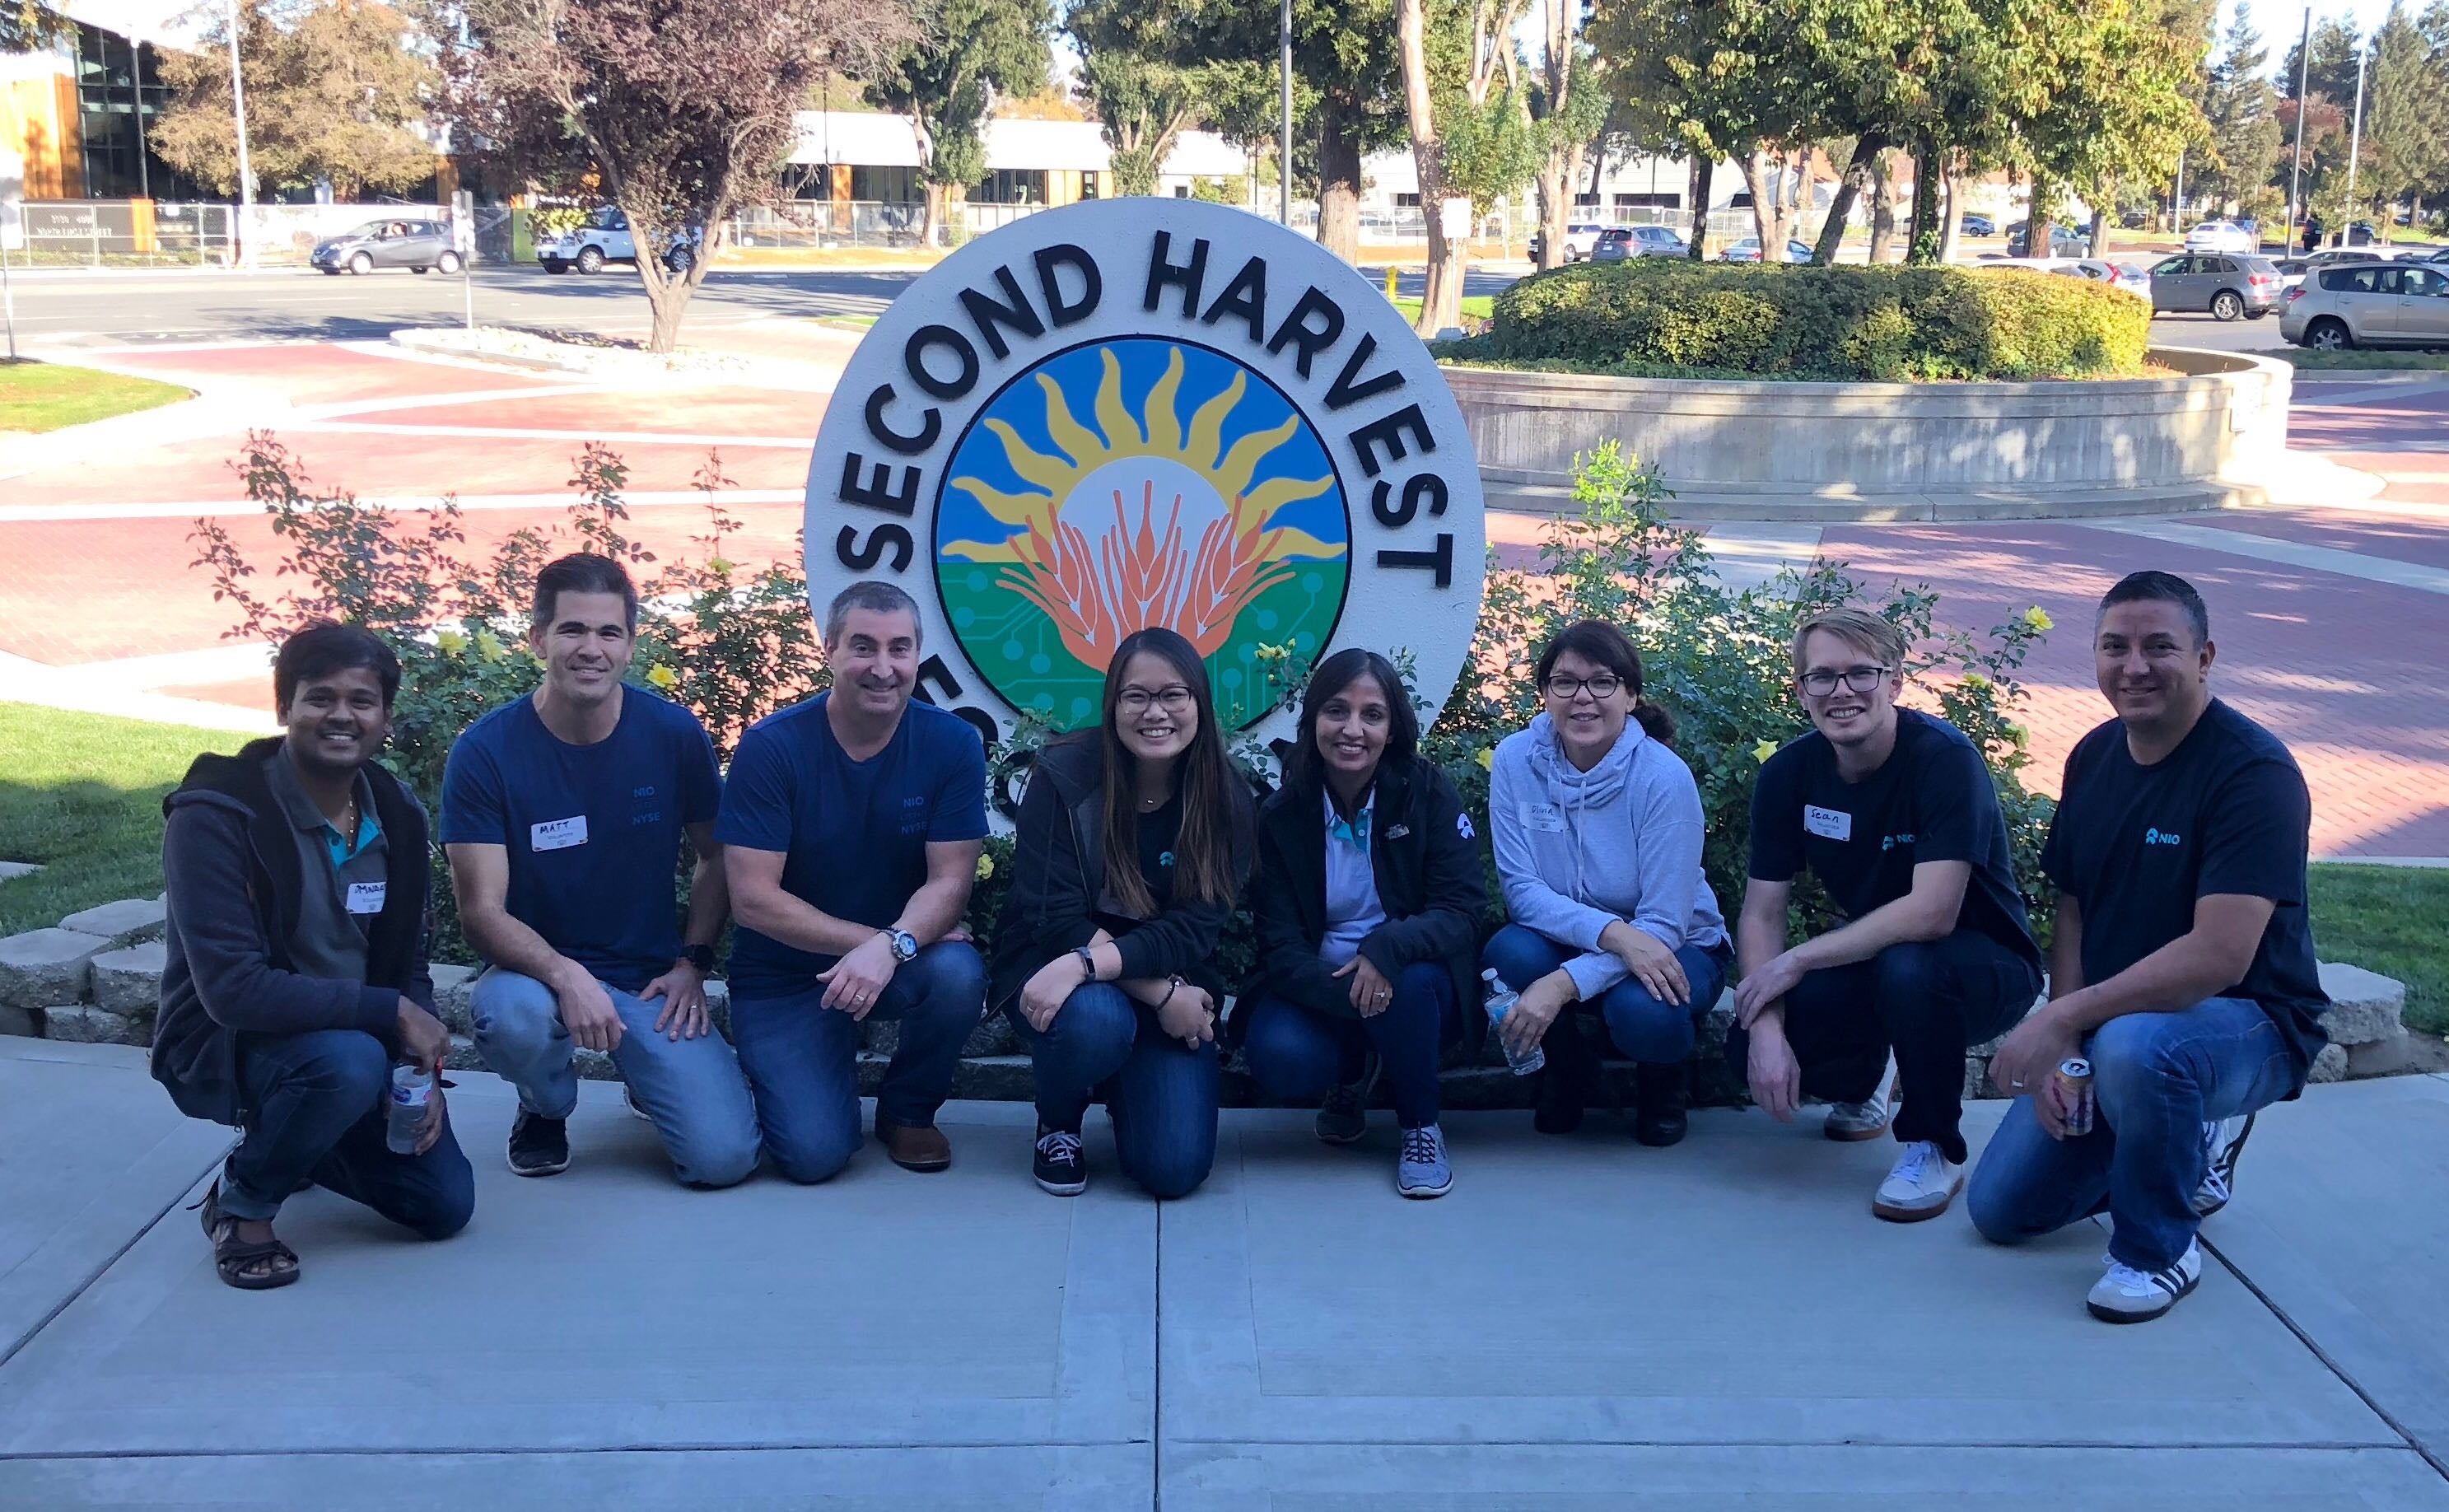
(1595, 640)
(1303, 769)
(1202, 866)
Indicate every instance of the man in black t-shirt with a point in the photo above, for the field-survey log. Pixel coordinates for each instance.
(1894, 813)
(2183, 955)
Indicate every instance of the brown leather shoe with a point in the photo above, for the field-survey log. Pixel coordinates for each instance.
(920, 1146)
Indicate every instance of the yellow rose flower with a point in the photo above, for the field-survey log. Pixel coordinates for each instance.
(1763, 751)
(2038, 620)
(986, 865)
(1488, 757)
(663, 677)
(489, 646)
(449, 643)
(1975, 679)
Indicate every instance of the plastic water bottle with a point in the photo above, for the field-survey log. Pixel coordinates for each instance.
(412, 1093)
(1501, 999)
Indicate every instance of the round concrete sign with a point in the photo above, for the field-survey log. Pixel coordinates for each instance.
(1149, 411)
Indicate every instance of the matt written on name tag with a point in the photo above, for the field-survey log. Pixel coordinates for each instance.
(367, 898)
(1829, 824)
(558, 834)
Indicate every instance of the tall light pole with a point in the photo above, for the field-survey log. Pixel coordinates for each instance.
(1284, 141)
(245, 168)
(143, 169)
(2296, 173)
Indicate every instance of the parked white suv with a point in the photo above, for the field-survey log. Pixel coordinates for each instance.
(602, 238)
(2222, 236)
(2402, 303)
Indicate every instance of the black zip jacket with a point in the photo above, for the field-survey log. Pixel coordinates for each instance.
(229, 854)
(1059, 882)
(1429, 883)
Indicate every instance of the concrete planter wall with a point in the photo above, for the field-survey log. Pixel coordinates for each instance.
(1834, 452)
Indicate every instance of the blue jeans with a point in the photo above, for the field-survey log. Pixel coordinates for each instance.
(1643, 1027)
(2156, 1079)
(1160, 1092)
(1297, 1055)
(690, 1088)
(1926, 1001)
(802, 1058)
(319, 1106)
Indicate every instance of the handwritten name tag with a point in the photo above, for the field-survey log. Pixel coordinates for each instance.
(367, 898)
(1829, 824)
(558, 834)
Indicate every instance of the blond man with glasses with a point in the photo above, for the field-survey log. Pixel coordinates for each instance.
(1893, 811)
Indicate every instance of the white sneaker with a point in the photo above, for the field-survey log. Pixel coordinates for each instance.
(1867, 1119)
(2223, 1141)
(1920, 1186)
(2127, 1295)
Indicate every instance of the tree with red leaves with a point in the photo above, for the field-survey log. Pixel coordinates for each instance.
(679, 111)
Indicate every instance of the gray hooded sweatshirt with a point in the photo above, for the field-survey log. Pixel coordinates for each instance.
(1578, 851)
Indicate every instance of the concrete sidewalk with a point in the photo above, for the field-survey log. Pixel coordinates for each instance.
(1584, 1321)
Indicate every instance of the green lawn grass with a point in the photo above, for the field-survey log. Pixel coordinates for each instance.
(1478, 306)
(2392, 919)
(2360, 361)
(82, 794)
(44, 395)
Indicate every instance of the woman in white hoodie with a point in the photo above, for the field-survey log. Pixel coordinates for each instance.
(1597, 826)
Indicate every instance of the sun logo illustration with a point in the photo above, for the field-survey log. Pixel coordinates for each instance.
(1082, 504)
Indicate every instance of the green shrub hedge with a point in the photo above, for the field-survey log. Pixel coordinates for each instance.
(1653, 317)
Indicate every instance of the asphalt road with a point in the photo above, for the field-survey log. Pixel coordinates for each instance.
(114, 308)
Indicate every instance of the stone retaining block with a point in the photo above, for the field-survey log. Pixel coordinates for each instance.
(2364, 1005)
(451, 987)
(47, 967)
(81, 1024)
(124, 923)
(22, 1021)
(130, 981)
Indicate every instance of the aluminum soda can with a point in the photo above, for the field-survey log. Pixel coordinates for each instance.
(2074, 1093)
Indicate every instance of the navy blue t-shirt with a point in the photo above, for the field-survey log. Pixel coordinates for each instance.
(1931, 800)
(593, 831)
(853, 835)
(2225, 812)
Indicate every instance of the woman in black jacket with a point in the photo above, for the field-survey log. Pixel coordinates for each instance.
(1132, 845)
(1367, 902)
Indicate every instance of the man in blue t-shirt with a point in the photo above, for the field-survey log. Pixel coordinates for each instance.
(562, 814)
(850, 830)
(2183, 965)
(1894, 813)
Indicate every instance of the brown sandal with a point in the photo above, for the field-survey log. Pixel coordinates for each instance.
(232, 1255)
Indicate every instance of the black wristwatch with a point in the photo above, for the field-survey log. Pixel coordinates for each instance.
(701, 956)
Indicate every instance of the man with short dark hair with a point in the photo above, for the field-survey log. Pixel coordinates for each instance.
(563, 815)
(2181, 967)
(295, 971)
(1895, 812)
(852, 828)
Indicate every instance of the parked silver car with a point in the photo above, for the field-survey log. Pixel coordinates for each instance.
(2369, 304)
(412, 245)
(2227, 285)
(1621, 243)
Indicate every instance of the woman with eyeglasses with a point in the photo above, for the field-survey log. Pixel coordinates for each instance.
(1132, 845)
(1597, 826)
(1367, 903)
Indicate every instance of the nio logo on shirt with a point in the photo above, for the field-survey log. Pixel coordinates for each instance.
(1892, 841)
(2161, 837)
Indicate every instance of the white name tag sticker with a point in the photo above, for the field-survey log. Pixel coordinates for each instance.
(558, 834)
(367, 898)
(1545, 818)
(1829, 824)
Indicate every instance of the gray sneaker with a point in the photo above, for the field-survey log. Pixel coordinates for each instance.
(1422, 1169)
(1850, 1121)
(1343, 1118)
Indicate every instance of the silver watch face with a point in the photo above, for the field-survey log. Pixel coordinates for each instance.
(905, 945)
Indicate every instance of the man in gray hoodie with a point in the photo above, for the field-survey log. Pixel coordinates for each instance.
(1598, 827)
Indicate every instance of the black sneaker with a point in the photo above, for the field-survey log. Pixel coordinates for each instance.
(539, 1146)
(1343, 1118)
(1059, 1168)
(1564, 1082)
(2223, 1141)
(1658, 1104)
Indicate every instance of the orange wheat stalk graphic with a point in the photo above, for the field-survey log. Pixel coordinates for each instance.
(1131, 580)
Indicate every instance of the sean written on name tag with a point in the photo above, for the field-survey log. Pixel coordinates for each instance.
(1829, 824)
(367, 898)
(558, 834)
